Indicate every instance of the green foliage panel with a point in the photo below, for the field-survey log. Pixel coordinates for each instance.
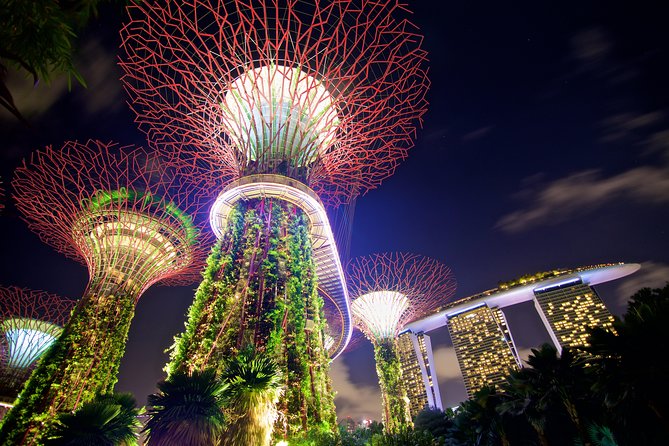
(259, 290)
(396, 414)
(82, 363)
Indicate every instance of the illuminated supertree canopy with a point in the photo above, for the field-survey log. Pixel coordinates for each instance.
(390, 290)
(30, 322)
(121, 212)
(284, 107)
(328, 92)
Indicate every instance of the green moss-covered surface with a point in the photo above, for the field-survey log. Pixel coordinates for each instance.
(259, 289)
(82, 363)
(396, 414)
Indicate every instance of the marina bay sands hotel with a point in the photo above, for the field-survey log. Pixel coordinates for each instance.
(566, 302)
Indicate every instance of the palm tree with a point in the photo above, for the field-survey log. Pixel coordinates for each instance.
(186, 411)
(483, 410)
(630, 370)
(562, 380)
(551, 384)
(109, 420)
(253, 390)
(434, 421)
(477, 421)
(521, 398)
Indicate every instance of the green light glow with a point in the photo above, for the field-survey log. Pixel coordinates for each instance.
(101, 199)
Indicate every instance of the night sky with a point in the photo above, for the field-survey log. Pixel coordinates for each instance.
(546, 145)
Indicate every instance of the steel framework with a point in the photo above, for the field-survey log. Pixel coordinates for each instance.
(329, 92)
(331, 281)
(116, 209)
(253, 98)
(30, 321)
(389, 290)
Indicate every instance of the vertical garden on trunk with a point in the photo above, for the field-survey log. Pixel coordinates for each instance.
(395, 401)
(259, 290)
(79, 365)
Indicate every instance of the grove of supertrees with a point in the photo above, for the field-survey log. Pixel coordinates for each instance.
(388, 291)
(283, 107)
(119, 211)
(30, 322)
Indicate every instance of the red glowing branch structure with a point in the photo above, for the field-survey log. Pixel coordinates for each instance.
(30, 321)
(116, 209)
(326, 92)
(390, 290)
(122, 212)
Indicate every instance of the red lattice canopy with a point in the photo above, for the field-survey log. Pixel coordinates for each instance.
(119, 210)
(327, 92)
(389, 290)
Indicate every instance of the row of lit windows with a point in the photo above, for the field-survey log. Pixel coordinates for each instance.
(570, 311)
(482, 345)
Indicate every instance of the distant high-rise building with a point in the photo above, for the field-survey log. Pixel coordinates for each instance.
(568, 309)
(564, 299)
(483, 346)
(418, 374)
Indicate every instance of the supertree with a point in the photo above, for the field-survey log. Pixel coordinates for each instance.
(285, 106)
(390, 290)
(30, 322)
(121, 212)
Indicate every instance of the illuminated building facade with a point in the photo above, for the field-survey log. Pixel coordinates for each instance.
(418, 372)
(568, 310)
(564, 298)
(483, 347)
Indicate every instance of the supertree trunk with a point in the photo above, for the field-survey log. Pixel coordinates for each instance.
(120, 211)
(259, 291)
(82, 362)
(396, 413)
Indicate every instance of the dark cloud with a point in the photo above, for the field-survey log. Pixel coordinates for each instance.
(451, 386)
(587, 190)
(593, 49)
(355, 400)
(477, 134)
(651, 275)
(626, 127)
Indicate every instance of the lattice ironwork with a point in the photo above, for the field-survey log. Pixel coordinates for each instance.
(326, 92)
(116, 209)
(390, 290)
(30, 321)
